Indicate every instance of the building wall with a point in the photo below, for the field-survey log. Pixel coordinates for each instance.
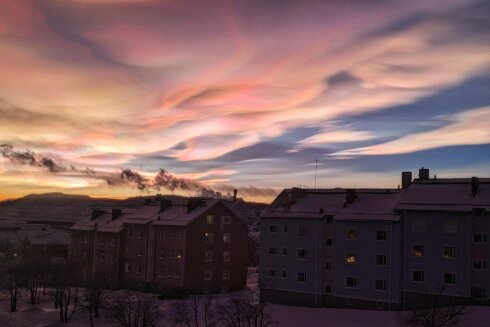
(290, 262)
(365, 270)
(480, 278)
(106, 247)
(135, 245)
(196, 247)
(81, 251)
(433, 263)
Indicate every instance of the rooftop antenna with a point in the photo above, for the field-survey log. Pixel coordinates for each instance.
(316, 168)
(141, 170)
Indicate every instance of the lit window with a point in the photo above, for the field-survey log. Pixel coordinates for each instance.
(209, 219)
(301, 277)
(226, 220)
(226, 256)
(351, 258)
(479, 265)
(418, 276)
(449, 252)
(208, 237)
(380, 285)
(418, 225)
(479, 238)
(302, 254)
(381, 260)
(208, 274)
(208, 256)
(302, 231)
(272, 229)
(271, 273)
(226, 274)
(272, 250)
(352, 234)
(177, 254)
(418, 250)
(449, 278)
(227, 237)
(351, 282)
(381, 235)
(449, 225)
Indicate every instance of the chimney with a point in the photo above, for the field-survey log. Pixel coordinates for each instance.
(116, 213)
(164, 204)
(350, 196)
(235, 191)
(406, 179)
(423, 174)
(193, 203)
(97, 213)
(475, 184)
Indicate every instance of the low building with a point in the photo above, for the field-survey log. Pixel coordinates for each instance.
(199, 245)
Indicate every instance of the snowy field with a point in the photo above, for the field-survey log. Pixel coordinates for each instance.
(44, 315)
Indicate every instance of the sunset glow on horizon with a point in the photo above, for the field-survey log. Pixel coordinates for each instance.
(243, 94)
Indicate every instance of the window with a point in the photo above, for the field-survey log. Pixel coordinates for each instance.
(85, 240)
(449, 278)
(177, 254)
(449, 252)
(449, 225)
(272, 250)
(284, 251)
(176, 273)
(352, 234)
(208, 256)
(227, 237)
(351, 258)
(127, 267)
(380, 285)
(138, 269)
(328, 289)
(271, 273)
(209, 219)
(351, 282)
(128, 233)
(418, 225)
(479, 238)
(113, 242)
(208, 237)
(302, 231)
(284, 274)
(380, 305)
(418, 250)
(328, 242)
(127, 250)
(139, 251)
(102, 256)
(272, 229)
(349, 301)
(418, 276)
(301, 277)
(380, 260)
(478, 293)
(162, 253)
(479, 265)
(226, 274)
(285, 229)
(208, 274)
(160, 272)
(328, 266)
(226, 256)
(113, 259)
(178, 235)
(302, 254)
(329, 219)
(161, 235)
(381, 235)
(226, 220)
(141, 234)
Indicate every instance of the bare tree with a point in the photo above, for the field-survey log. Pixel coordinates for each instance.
(190, 312)
(64, 279)
(34, 271)
(435, 311)
(134, 310)
(13, 284)
(247, 310)
(93, 297)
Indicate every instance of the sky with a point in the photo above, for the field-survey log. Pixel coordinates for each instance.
(243, 93)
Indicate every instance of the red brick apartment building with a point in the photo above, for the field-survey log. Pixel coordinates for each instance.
(196, 244)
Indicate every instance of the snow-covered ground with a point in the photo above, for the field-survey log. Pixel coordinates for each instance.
(43, 315)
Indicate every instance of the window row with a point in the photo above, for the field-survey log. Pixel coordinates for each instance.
(129, 232)
(380, 235)
(302, 230)
(352, 258)
(301, 253)
(379, 284)
(170, 235)
(448, 278)
(225, 220)
(300, 276)
(208, 274)
(170, 254)
(138, 268)
(102, 256)
(209, 237)
(208, 256)
(448, 252)
(169, 273)
(449, 225)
